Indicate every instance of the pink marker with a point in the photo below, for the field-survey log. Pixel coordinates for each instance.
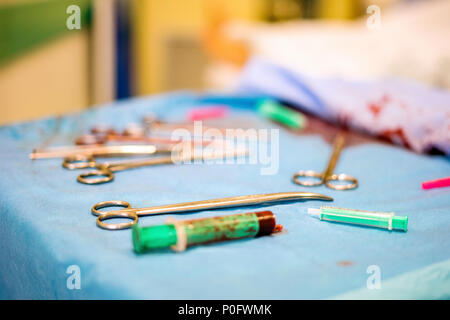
(207, 113)
(438, 183)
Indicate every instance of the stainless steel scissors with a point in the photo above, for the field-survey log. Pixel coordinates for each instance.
(328, 176)
(104, 172)
(239, 201)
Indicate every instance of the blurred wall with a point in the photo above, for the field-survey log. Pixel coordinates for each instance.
(44, 67)
(166, 30)
(47, 81)
(339, 9)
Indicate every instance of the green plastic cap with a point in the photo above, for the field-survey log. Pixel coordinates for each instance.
(275, 111)
(400, 223)
(153, 237)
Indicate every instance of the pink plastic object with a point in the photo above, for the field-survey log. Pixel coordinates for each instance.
(207, 113)
(438, 183)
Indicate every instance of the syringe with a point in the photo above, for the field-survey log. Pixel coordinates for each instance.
(178, 234)
(384, 220)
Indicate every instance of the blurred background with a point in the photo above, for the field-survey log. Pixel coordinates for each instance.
(56, 58)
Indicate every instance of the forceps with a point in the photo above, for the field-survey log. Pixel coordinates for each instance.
(105, 171)
(100, 151)
(327, 175)
(102, 135)
(96, 139)
(239, 201)
(100, 139)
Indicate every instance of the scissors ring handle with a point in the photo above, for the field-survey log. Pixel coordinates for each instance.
(79, 161)
(117, 226)
(106, 204)
(103, 175)
(352, 182)
(308, 174)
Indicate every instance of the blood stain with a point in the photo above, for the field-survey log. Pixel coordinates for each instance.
(345, 263)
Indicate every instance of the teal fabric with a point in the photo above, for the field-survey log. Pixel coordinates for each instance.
(46, 225)
(431, 282)
(402, 111)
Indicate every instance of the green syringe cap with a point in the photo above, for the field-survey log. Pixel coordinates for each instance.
(153, 237)
(273, 110)
(399, 222)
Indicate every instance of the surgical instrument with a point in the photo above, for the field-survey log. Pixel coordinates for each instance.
(97, 139)
(102, 139)
(384, 220)
(104, 172)
(197, 129)
(98, 151)
(101, 135)
(328, 176)
(239, 201)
